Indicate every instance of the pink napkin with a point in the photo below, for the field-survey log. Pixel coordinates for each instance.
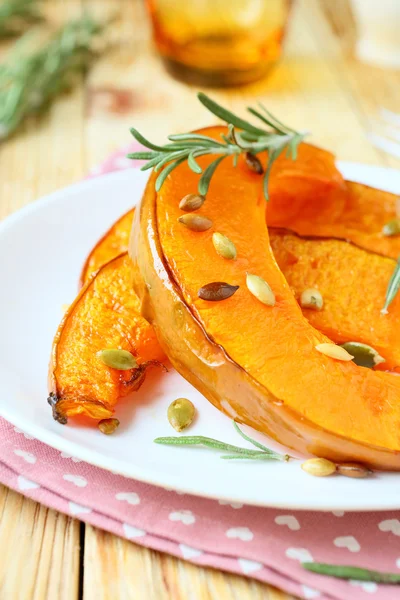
(267, 544)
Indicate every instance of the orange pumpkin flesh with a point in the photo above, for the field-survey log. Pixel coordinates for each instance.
(358, 216)
(255, 363)
(353, 284)
(104, 315)
(339, 270)
(114, 242)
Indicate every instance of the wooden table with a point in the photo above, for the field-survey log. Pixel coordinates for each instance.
(317, 86)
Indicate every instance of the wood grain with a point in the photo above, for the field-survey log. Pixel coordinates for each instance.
(109, 559)
(40, 558)
(319, 86)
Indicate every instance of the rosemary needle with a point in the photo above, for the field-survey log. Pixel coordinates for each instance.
(234, 452)
(243, 138)
(393, 288)
(353, 573)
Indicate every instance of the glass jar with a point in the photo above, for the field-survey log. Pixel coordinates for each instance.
(219, 42)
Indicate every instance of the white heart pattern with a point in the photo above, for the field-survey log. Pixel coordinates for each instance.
(231, 504)
(368, 586)
(73, 458)
(240, 533)
(249, 566)
(300, 554)
(189, 552)
(392, 525)
(26, 435)
(310, 593)
(398, 563)
(26, 484)
(27, 456)
(338, 513)
(76, 509)
(129, 497)
(347, 541)
(132, 532)
(75, 479)
(289, 520)
(184, 516)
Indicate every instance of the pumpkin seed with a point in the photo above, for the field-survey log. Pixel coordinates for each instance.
(392, 228)
(181, 413)
(311, 298)
(191, 202)
(216, 291)
(334, 351)
(364, 355)
(319, 467)
(195, 222)
(254, 163)
(223, 246)
(108, 426)
(354, 470)
(260, 289)
(122, 360)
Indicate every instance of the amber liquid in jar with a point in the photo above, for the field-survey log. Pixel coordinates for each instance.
(219, 42)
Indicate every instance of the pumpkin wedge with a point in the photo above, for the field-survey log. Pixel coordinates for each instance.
(360, 217)
(332, 266)
(114, 242)
(105, 315)
(257, 363)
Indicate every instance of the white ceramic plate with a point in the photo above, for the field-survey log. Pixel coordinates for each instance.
(42, 250)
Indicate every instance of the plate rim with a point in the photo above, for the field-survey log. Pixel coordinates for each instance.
(146, 475)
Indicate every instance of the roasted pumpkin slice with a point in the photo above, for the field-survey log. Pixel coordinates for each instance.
(333, 267)
(352, 282)
(359, 216)
(114, 242)
(259, 364)
(105, 315)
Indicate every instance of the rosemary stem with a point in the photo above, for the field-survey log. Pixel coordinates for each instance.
(349, 572)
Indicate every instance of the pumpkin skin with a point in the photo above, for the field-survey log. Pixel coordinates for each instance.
(255, 363)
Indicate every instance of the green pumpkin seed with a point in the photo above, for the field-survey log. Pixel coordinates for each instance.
(319, 467)
(191, 202)
(334, 351)
(122, 360)
(181, 413)
(195, 222)
(223, 246)
(260, 289)
(216, 291)
(108, 426)
(353, 470)
(311, 298)
(392, 228)
(363, 355)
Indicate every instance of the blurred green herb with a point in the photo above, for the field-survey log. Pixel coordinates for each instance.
(352, 573)
(31, 78)
(17, 15)
(243, 138)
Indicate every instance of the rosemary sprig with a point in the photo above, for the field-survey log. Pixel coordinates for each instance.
(392, 288)
(347, 572)
(17, 15)
(30, 80)
(243, 138)
(234, 452)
